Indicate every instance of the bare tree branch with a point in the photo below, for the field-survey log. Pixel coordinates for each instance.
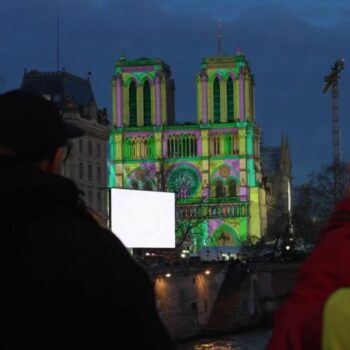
(316, 199)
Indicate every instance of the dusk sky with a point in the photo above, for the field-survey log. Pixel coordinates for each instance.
(290, 46)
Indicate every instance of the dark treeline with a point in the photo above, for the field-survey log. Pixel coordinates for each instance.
(315, 200)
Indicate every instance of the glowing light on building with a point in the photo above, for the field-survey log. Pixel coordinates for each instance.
(211, 165)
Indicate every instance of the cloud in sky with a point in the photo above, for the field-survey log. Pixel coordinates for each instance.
(290, 46)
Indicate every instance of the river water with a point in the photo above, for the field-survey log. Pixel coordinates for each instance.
(251, 340)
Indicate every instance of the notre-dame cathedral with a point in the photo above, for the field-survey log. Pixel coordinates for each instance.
(229, 189)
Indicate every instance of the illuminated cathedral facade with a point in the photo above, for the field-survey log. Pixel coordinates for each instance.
(212, 165)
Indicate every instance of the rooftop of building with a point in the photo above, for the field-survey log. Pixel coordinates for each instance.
(237, 60)
(142, 61)
(66, 90)
(59, 86)
(34, 73)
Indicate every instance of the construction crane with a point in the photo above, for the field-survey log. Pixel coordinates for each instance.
(331, 80)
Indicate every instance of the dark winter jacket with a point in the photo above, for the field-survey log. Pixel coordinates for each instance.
(66, 282)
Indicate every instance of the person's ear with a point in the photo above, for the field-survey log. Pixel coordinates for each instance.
(57, 160)
(53, 165)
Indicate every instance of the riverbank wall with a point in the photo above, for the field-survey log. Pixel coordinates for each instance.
(217, 298)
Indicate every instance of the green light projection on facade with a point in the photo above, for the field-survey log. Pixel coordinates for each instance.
(111, 176)
(193, 157)
(184, 181)
(244, 228)
(251, 173)
(225, 235)
(112, 146)
(250, 143)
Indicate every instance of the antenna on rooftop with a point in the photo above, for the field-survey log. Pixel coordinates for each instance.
(219, 38)
(58, 36)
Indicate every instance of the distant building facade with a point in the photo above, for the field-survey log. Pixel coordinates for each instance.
(87, 164)
(277, 179)
(213, 165)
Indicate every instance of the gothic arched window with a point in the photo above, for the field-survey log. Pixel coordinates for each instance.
(216, 95)
(232, 191)
(230, 99)
(219, 189)
(229, 143)
(215, 144)
(170, 149)
(147, 103)
(132, 104)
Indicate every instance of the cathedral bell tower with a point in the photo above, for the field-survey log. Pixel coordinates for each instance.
(142, 93)
(225, 90)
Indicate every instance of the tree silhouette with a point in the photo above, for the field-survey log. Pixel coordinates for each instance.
(315, 200)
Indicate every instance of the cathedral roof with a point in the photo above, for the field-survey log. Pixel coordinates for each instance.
(142, 61)
(235, 62)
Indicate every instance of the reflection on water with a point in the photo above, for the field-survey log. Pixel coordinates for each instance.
(253, 340)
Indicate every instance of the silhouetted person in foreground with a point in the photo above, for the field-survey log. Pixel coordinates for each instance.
(66, 282)
(317, 314)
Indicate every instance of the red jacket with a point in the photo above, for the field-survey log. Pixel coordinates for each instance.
(298, 324)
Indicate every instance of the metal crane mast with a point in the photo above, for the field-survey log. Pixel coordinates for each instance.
(331, 80)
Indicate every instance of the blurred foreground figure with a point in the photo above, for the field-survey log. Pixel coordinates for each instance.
(66, 282)
(317, 314)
